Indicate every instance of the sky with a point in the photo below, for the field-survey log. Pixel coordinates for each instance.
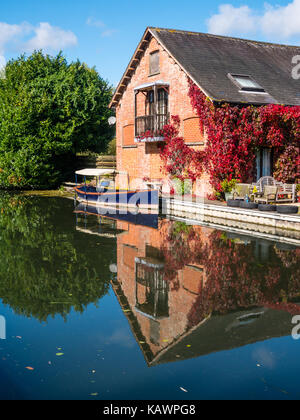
(106, 33)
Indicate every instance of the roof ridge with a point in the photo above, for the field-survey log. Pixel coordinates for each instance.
(157, 29)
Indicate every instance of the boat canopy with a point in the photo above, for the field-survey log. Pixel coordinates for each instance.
(96, 172)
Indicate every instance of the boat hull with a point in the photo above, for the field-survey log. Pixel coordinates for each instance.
(142, 218)
(147, 199)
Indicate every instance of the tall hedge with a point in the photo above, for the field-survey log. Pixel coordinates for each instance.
(49, 111)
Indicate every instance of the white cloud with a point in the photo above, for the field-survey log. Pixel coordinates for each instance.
(231, 20)
(282, 19)
(27, 37)
(105, 31)
(108, 32)
(10, 33)
(2, 66)
(2, 62)
(278, 21)
(49, 37)
(93, 22)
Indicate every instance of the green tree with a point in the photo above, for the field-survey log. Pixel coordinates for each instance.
(49, 111)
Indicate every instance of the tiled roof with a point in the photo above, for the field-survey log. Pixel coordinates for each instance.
(208, 59)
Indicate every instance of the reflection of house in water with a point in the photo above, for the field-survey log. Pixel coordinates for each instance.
(158, 311)
(152, 291)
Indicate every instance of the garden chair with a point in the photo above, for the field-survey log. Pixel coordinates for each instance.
(269, 195)
(287, 193)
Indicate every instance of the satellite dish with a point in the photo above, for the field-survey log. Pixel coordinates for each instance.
(112, 121)
(113, 268)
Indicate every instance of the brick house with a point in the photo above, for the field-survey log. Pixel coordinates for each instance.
(155, 86)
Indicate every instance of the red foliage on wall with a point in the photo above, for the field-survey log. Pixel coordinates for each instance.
(235, 133)
(179, 160)
(288, 165)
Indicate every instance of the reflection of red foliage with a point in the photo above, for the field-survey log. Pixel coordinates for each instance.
(291, 308)
(235, 277)
(177, 251)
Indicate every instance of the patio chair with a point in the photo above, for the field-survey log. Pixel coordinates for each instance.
(287, 193)
(269, 195)
(266, 181)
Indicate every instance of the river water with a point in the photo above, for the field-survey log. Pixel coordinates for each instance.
(99, 308)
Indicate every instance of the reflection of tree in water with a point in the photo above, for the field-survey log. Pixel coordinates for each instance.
(46, 267)
(237, 274)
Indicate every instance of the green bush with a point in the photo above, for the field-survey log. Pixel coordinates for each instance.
(228, 186)
(49, 111)
(112, 147)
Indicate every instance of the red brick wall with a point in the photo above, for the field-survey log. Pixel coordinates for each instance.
(143, 160)
(191, 130)
(128, 135)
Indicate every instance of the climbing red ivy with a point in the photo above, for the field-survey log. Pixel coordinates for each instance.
(235, 133)
(179, 160)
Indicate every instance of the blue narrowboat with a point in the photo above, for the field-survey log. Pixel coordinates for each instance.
(100, 194)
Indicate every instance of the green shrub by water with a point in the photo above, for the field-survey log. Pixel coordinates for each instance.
(49, 111)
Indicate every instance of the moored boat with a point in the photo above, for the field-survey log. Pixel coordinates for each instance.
(102, 194)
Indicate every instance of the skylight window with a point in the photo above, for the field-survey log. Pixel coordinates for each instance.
(246, 83)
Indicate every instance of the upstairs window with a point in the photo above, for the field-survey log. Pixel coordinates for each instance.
(246, 83)
(162, 102)
(150, 104)
(154, 63)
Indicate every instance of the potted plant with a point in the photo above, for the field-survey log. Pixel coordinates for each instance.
(228, 187)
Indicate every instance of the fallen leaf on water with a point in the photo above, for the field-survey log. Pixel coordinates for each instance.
(189, 345)
(184, 390)
(19, 337)
(94, 394)
(29, 368)
(59, 354)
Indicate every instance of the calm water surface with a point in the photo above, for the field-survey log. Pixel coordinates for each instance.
(105, 309)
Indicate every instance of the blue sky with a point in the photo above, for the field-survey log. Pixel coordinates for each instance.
(105, 34)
